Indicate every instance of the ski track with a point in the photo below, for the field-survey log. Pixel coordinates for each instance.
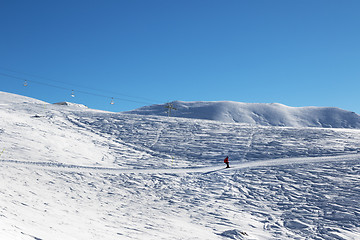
(206, 170)
(249, 143)
(141, 149)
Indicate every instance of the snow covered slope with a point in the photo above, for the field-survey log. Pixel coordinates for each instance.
(76, 173)
(273, 114)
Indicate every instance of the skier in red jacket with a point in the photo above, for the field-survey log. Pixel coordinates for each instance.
(226, 160)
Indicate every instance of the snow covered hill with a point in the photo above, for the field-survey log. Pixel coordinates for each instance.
(76, 173)
(71, 104)
(272, 114)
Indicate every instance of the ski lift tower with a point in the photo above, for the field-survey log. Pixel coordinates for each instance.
(170, 107)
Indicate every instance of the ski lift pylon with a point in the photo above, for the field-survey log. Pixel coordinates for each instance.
(169, 107)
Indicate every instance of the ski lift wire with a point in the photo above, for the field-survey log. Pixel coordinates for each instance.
(80, 86)
(79, 91)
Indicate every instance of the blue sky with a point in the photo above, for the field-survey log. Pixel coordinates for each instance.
(142, 52)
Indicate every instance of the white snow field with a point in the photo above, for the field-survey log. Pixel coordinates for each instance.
(69, 172)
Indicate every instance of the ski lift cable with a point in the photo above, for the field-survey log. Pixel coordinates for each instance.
(73, 90)
(27, 81)
(77, 85)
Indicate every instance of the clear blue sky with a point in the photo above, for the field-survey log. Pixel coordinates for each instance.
(295, 52)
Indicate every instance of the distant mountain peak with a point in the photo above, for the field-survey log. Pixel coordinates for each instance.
(267, 114)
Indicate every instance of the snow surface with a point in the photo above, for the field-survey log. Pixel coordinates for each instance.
(76, 173)
(267, 114)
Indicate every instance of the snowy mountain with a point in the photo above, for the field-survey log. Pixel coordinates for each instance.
(71, 104)
(265, 114)
(78, 173)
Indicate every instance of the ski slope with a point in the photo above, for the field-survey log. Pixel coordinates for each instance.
(69, 172)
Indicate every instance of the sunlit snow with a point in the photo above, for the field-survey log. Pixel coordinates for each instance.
(69, 172)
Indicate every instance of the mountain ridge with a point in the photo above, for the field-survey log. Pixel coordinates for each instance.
(266, 114)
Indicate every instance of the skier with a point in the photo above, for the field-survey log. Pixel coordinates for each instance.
(226, 160)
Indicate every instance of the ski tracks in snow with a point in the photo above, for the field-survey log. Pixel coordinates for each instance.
(118, 144)
(249, 143)
(205, 170)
